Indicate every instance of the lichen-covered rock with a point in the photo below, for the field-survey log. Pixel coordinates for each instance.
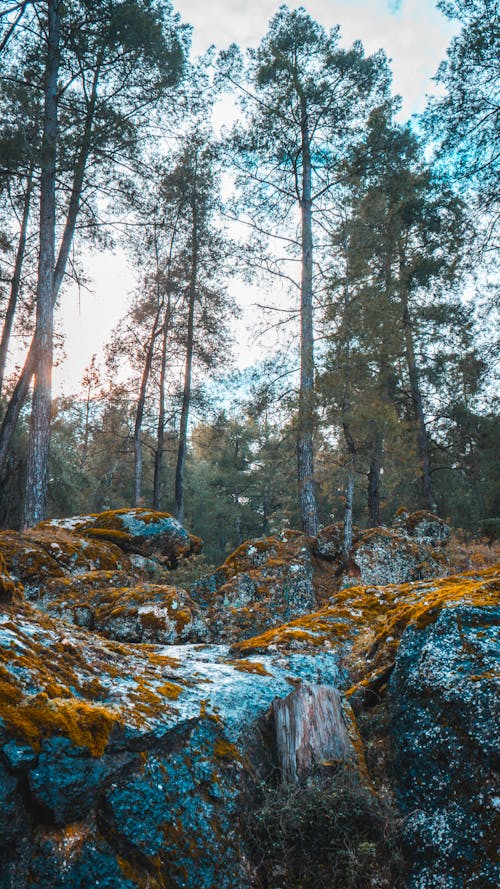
(122, 765)
(423, 526)
(9, 589)
(37, 556)
(444, 694)
(135, 530)
(264, 583)
(381, 556)
(116, 607)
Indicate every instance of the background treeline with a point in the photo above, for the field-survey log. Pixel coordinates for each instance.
(377, 266)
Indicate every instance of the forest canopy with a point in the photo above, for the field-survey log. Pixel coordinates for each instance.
(377, 239)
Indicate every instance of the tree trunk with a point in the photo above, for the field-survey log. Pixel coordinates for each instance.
(160, 429)
(349, 494)
(16, 281)
(425, 480)
(39, 438)
(139, 414)
(188, 367)
(305, 455)
(310, 731)
(374, 481)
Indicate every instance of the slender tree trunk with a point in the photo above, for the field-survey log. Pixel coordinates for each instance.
(160, 430)
(349, 493)
(39, 439)
(425, 480)
(188, 367)
(139, 414)
(16, 280)
(374, 480)
(305, 455)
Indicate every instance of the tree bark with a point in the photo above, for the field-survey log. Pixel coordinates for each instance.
(374, 480)
(39, 438)
(425, 479)
(188, 368)
(349, 493)
(310, 731)
(139, 414)
(16, 280)
(160, 429)
(305, 454)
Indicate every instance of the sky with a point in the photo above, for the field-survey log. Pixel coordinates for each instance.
(414, 36)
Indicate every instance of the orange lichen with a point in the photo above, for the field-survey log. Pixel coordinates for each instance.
(34, 717)
(170, 690)
(226, 751)
(250, 667)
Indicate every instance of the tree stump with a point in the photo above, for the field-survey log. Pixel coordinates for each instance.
(310, 731)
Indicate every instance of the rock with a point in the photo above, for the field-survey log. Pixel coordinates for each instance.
(423, 526)
(133, 758)
(9, 589)
(381, 556)
(444, 699)
(128, 612)
(35, 557)
(139, 531)
(265, 582)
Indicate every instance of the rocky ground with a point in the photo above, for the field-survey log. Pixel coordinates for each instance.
(139, 741)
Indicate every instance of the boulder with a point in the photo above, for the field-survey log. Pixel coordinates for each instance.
(423, 526)
(123, 766)
(382, 556)
(265, 582)
(114, 605)
(38, 556)
(446, 730)
(140, 531)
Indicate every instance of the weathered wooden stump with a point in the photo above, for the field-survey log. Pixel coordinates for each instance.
(310, 731)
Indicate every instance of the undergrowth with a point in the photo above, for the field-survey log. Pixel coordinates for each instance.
(325, 833)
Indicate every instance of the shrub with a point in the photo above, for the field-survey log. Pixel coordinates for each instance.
(326, 833)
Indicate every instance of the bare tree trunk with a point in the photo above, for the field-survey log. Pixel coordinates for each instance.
(349, 493)
(374, 480)
(425, 480)
(16, 280)
(305, 454)
(160, 429)
(23, 384)
(39, 439)
(139, 414)
(188, 367)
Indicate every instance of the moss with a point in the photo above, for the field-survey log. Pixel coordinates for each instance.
(226, 751)
(31, 718)
(250, 667)
(170, 690)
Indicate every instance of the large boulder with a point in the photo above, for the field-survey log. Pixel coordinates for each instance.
(423, 526)
(385, 556)
(266, 582)
(446, 729)
(115, 605)
(135, 530)
(35, 557)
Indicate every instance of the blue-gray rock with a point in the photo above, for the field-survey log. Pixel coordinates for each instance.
(446, 731)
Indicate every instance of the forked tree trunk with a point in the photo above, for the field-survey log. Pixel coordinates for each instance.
(39, 438)
(305, 455)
